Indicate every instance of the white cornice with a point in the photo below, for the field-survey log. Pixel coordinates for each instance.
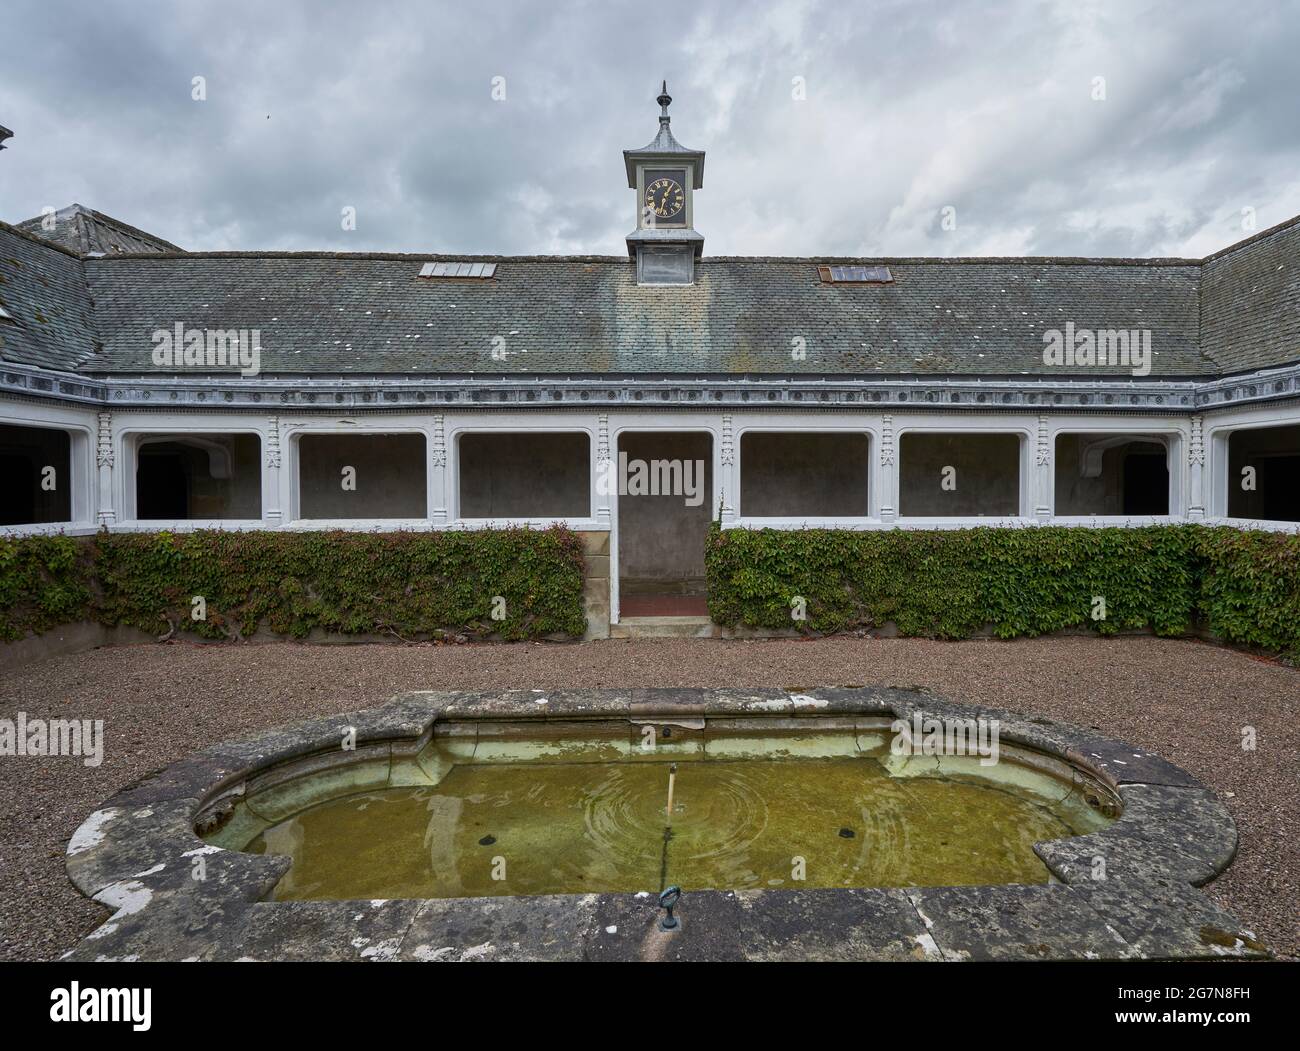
(356, 393)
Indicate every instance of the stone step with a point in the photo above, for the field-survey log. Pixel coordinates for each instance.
(663, 628)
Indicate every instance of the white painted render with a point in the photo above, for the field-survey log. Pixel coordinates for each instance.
(105, 444)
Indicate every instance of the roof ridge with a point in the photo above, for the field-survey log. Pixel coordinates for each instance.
(35, 239)
(1276, 228)
(467, 257)
(623, 261)
(121, 224)
(913, 260)
(86, 218)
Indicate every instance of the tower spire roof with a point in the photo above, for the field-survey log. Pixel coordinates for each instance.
(664, 146)
(665, 100)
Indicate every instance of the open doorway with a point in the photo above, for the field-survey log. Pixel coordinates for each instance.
(193, 476)
(665, 504)
(1111, 475)
(35, 475)
(1264, 474)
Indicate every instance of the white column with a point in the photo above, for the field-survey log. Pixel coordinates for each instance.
(104, 461)
(1196, 469)
(603, 487)
(888, 473)
(728, 483)
(1041, 477)
(271, 509)
(437, 480)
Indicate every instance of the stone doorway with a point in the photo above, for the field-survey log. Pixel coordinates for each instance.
(665, 505)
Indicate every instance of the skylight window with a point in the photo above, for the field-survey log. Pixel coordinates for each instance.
(5, 315)
(480, 271)
(855, 275)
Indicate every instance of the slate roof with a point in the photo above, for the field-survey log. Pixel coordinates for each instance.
(1250, 301)
(366, 314)
(321, 313)
(43, 289)
(88, 232)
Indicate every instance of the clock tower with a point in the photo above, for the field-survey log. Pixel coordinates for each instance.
(664, 175)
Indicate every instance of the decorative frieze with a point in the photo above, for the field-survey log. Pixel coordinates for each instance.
(273, 442)
(439, 441)
(1038, 393)
(1043, 456)
(104, 441)
(602, 439)
(1196, 452)
(728, 450)
(887, 441)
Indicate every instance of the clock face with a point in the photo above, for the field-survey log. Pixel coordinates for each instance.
(664, 197)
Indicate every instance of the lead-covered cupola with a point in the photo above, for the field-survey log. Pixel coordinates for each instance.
(664, 175)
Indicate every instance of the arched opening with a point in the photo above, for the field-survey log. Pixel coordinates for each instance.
(1264, 474)
(1111, 475)
(211, 476)
(35, 475)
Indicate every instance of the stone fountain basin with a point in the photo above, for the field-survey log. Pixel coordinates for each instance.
(139, 855)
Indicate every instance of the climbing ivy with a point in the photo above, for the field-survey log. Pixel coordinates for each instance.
(404, 584)
(44, 581)
(1242, 586)
(1249, 587)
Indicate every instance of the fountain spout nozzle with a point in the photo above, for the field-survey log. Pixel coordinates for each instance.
(668, 900)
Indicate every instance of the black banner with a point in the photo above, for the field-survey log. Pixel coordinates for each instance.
(335, 1000)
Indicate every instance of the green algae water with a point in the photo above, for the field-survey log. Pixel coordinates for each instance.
(817, 811)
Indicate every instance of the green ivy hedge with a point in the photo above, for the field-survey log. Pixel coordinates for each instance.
(407, 584)
(44, 581)
(1243, 586)
(1250, 587)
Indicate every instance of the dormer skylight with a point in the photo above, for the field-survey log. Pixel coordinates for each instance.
(838, 274)
(453, 269)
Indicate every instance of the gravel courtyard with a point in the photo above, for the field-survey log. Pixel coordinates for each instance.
(1187, 701)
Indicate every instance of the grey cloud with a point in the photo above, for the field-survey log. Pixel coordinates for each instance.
(910, 107)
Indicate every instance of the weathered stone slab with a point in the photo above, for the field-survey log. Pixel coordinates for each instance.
(1165, 919)
(626, 928)
(827, 925)
(551, 927)
(343, 931)
(1192, 819)
(119, 843)
(850, 924)
(166, 914)
(1015, 923)
(1165, 831)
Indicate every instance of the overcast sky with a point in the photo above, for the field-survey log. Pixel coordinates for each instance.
(908, 108)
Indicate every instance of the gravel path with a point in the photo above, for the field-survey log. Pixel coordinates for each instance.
(1187, 701)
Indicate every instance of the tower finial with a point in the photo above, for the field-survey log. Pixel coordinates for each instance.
(664, 101)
